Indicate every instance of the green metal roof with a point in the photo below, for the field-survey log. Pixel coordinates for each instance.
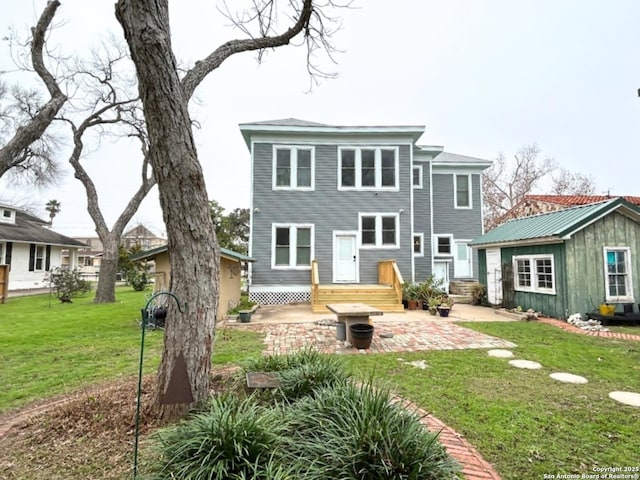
(224, 252)
(554, 226)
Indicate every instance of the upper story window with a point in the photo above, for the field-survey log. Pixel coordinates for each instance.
(617, 275)
(368, 168)
(292, 246)
(462, 189)
(7, 215)
(534, 273)
(293, 168)
(379, 230)
(417, 176)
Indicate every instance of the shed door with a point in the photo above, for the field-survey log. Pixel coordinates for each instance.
(494, 276)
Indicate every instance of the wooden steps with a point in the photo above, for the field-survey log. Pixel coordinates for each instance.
(379, 296)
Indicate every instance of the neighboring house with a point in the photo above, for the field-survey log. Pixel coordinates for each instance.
(31, 249)
(564, 262)
(230, 274)
(90, 259)
(536, 204)
(329, 203)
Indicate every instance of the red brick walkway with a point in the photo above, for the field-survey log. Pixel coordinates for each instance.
(572, 328)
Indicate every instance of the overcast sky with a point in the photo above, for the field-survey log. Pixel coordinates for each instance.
(483, 76)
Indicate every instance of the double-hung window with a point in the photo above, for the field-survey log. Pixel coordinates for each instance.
(462, 188)
(443, 245)
(418, 244)
(534, 273)
(292, 246)
(293, 168)
(416, 179)
(39, 258)
(363, 168)
(379, 230)
(617, 274)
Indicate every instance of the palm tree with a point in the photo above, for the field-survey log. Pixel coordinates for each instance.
(53, 207)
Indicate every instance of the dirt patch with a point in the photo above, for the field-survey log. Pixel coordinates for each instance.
(87, 435)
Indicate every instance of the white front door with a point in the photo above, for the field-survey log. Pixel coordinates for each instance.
(494, 276)
(441, 272)
(462, 260)
(345, 258)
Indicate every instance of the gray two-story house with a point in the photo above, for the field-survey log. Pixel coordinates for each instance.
(354, 207)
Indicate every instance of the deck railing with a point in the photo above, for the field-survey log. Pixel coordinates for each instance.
(389, 274)
(315, 282)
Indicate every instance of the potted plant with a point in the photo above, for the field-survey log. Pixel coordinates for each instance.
(433, 304)
(445, 305)
(413, 296)
(478, 292)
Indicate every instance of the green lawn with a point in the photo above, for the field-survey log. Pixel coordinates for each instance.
(49, 348)
(524, 422)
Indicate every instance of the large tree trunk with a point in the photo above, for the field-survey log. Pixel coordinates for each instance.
(106, 290)
(183, 197)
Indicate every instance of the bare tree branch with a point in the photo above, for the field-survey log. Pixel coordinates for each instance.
(17, 152)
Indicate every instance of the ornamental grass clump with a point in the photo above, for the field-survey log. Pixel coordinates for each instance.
(357, 432)
(232, 440)
(300, 373)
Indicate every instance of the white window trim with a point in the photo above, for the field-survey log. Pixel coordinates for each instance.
(10, 218)
(419, 169)
(436, 252)
(421, 252)
(36, 257)
(378, 166)
(455, 192)
(293, 227)
(378, 216)
(629, 298)
(294, 167)
(534, 274)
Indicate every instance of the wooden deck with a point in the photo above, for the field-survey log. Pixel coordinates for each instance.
(382, 297)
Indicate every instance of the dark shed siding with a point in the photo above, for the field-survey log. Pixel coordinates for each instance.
(585, 260)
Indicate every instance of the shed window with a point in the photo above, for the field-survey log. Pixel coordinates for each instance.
(534, 273)
(617, 268)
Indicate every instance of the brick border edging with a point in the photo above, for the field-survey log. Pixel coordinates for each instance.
(474, 466)
(573, 329)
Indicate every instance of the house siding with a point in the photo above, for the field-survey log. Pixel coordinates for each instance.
(464, 224)
(585, 262)
(20, 277)
(422, 224)
(328, 209)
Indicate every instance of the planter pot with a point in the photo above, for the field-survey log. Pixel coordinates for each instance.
(341, 331)
(361, 335)
(244, 316)
(606, 309)
(433, 311)
(444, 312)
(412, 304)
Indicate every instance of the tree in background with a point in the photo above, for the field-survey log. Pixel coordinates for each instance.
(232, 230)
(506, 182)
(52, 208)
(26, 149)
(193, 248)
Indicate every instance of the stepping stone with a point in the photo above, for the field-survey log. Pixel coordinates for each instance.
(528, 364)
(568, 378)
(628, 398)
(499, 353)
(386, 335)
